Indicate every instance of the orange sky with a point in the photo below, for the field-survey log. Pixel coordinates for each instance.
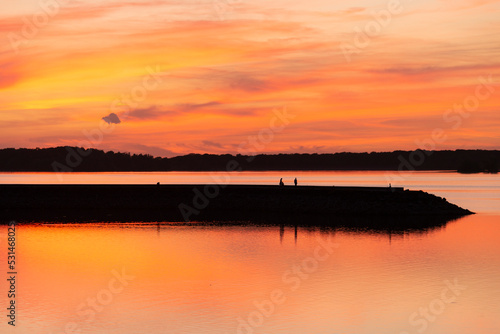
(205, 75)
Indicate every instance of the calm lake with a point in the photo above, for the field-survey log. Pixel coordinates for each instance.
(149, 277)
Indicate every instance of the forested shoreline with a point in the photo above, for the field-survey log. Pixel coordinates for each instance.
(74, 159)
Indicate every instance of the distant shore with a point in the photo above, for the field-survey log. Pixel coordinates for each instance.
(215, 202)
(77, 159)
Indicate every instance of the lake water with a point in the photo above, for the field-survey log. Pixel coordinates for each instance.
(144, 277)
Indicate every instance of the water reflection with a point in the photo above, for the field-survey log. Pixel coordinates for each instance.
(202, 277)
(358, 224)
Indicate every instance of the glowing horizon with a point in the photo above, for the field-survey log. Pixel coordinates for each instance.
(208, 76)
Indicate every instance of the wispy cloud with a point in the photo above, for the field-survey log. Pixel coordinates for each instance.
(152, 112)
(188, 107)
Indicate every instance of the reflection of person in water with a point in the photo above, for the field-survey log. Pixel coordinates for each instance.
(281, 182)
(295, 181)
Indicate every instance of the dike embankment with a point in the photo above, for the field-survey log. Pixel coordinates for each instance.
(214, 202)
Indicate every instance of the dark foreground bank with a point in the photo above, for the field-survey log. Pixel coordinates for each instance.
(213, 202)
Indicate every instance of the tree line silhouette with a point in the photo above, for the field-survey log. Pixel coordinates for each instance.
(464, 161)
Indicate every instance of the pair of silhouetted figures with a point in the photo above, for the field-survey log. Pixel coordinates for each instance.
(282, 184)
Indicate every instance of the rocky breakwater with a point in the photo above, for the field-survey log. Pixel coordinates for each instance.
(192, 202)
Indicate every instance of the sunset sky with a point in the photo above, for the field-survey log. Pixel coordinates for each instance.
(203, 76)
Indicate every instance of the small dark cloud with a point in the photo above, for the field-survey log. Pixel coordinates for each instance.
(112, 118)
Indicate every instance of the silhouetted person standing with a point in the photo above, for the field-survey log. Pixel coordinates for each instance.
(281, 182)
(295, 181)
